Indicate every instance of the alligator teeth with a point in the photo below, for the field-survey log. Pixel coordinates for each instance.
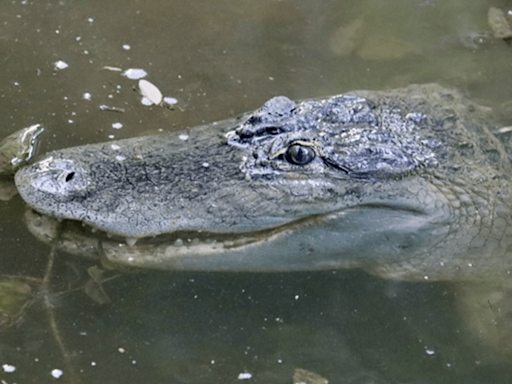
(178, 243)
(131, 241)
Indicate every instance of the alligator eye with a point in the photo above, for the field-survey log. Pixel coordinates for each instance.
(70, 176)
(299, 154)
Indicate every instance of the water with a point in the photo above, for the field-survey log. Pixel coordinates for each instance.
(219, 59)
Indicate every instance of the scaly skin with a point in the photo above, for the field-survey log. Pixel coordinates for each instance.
(407, 184)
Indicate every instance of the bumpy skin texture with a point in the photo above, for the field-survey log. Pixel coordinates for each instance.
(409, 183)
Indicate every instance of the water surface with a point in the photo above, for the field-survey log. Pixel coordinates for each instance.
(220, 59)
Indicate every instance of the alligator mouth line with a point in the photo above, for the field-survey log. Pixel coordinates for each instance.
(51, 230)
(77, 237)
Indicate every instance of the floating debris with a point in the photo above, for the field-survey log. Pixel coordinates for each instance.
(114, 69)
(244, 376)
(87, 96)
(145, 101)
(60, 65)
(8, 368)
(108, 108)
(170, 101)
(56, 373)
(94, 288)
(150, 91)
(503, 130)
(17, 148)
(301, 376)
(126, 47)
(135, 73)
(117, 125)
(499, 23)
(7, 190)
(15, 296)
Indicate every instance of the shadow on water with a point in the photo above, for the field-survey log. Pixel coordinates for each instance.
(220, 59)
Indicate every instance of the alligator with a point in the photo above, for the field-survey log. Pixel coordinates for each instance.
(410, 184)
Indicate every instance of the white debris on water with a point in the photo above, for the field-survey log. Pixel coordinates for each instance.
(244, 376)
(135, 73)
(183, 137)
(57, 373)
(145, 101)
(430, 352)
(115, 147)
(170, 100)
(114, 69)
(150, 91)
(117, 125)
(60, 64)
(87, 96)
(8, 368)
(126, 47)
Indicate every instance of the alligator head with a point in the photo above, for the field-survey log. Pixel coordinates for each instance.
(368, 179)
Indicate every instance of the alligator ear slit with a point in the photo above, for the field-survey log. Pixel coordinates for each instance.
(337, 166)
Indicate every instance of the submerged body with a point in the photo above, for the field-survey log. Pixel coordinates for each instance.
(407, 184)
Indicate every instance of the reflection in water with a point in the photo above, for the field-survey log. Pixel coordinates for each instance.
(219, 59)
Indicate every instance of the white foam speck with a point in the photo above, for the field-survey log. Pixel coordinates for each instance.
(8, 368)
(57, 373)
(126, 47)
(430, 352)
(60, 64)
(205, 164)
(90, 19)
(146, 101)
(183, 137)
(87, 96)
(120, 158)
(115, 147)
(135, 73)
(170, 100)
(117, 125)
(244, 376)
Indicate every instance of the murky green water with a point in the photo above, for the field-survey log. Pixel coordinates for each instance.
(221, 58)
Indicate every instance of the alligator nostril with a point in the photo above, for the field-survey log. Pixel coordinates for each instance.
(69, 176)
